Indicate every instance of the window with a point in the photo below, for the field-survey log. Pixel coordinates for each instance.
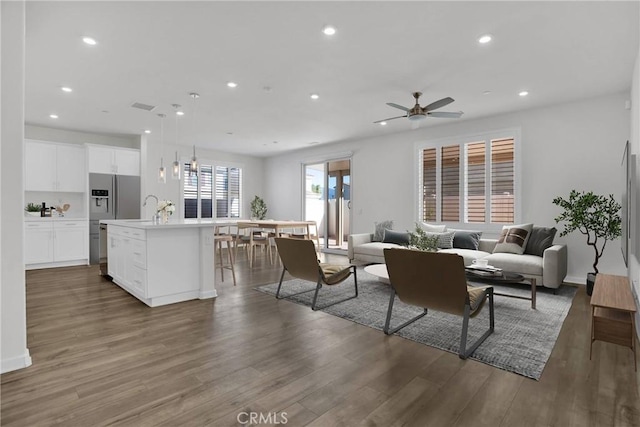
(228, 184)
(198, 191)
(471, 181)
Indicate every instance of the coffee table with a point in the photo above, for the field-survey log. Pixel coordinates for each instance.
(504, 277)
(380, 271)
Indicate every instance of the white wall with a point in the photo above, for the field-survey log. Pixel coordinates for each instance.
(75, 137)
(634, 259)
(575, 145)
(14, 352)
(252, 172)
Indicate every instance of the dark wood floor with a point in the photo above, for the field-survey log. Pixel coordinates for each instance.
(101, 357)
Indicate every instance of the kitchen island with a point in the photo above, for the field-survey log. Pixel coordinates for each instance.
(163, 263)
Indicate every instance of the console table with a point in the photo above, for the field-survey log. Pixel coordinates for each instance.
(613, 313)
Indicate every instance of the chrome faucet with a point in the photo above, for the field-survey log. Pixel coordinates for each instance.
(156, 215)
(147, 198)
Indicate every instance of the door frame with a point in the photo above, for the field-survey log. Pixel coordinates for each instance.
(325, 160)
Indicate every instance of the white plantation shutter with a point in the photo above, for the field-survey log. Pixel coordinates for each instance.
(228, 188)
(203, 188)
(429, 185)
(502, 181)
(475, 200)
(450, 183)
(206, 191)
(469, 182)
(190, 191)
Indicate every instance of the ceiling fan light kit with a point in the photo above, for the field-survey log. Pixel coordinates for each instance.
(418, 113)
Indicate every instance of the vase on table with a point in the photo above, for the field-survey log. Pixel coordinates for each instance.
(164, 217)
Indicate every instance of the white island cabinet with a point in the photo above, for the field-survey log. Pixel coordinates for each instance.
(163, 263)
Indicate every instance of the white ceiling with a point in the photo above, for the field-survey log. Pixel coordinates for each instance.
(157, 52)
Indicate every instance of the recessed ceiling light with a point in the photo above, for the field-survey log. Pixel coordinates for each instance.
(147, 131)
(66, 89)
(484, 39)
(180, 113)
(232, 84)
(523, 93)
(315, 96)
(383, 123)
(329, 30)
(53, 116)
(90, 41)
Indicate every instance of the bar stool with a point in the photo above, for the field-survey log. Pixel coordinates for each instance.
(218, 238)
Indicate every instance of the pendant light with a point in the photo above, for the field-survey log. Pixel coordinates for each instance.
(175, 169)
(162, 173)
(193, 166)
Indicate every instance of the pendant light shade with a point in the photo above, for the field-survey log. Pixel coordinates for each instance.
(175, 168)
(193, 166)
(162, 173)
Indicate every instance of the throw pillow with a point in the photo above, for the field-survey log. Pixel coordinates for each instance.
(513, 239)
(445, 240)
(541, 238)
(433, 228)
(378, 233)
(397, 237)
(464, 239)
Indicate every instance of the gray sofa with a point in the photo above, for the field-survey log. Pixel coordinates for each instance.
(549, 270)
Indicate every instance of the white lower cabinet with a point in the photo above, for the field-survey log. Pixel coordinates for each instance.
(56, 243)
(69, 241)
(127, 259)
(38, 243)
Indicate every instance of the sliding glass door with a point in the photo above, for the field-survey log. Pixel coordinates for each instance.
(327, 201)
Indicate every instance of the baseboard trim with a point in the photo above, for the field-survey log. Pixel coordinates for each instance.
(15, 363)
(575, 280)
(208, 294)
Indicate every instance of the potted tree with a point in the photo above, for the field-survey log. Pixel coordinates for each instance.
(595, 216)
(258, 208)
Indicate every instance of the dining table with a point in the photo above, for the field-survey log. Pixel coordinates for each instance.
(278, 228)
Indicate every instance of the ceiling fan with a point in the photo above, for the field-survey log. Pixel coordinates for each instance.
(419, 113)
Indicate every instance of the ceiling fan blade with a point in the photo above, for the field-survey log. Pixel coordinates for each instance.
(392, 118)
(391, 104)
(446, 114)
(438, 104)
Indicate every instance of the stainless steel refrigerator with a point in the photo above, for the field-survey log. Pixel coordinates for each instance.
(110, 197)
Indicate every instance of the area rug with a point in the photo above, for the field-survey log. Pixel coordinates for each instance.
(522, 341)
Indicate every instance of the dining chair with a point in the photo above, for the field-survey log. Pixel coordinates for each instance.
(250, 236)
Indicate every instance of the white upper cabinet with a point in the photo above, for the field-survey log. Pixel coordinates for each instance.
(71, 168)
(54, 167)
(111, 160)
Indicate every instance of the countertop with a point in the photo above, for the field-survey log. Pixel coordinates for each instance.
(146, 224)
(52, 218)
